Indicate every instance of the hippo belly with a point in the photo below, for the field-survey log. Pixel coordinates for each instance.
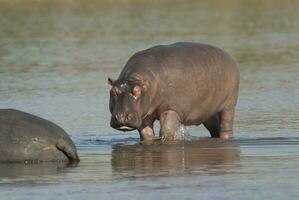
(28, 138)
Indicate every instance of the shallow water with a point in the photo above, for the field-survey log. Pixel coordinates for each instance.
(54, 62)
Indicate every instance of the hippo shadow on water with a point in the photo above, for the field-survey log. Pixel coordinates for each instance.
(175, 159)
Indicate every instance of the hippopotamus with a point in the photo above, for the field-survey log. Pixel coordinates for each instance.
(178, 84)
(30, 139)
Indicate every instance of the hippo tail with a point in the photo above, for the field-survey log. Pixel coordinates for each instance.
(69, 150)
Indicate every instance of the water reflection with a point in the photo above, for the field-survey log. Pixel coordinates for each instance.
(13, 170)
(209, 156)
(19, 174)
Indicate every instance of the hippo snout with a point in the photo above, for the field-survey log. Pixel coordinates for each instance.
(123, 118)
(125, 121)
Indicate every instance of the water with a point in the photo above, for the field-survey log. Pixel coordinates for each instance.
(55, 58)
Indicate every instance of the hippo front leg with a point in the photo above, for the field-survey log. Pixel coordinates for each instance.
(146, 131)
(169, 124)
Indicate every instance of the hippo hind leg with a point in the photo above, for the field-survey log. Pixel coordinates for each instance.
(213, 125)
(221, 124)
(227, 123)
(68, 149)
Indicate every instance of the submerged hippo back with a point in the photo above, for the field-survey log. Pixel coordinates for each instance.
(25, 137)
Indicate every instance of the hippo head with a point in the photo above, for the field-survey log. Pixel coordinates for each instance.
(129, 103)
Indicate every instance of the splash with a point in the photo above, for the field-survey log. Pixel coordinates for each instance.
(182, 134)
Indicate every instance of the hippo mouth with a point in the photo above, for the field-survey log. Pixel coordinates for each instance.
(125, 128)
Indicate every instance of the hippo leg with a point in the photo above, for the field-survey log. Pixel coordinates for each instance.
(169, 124)
(146, 130)
(68, 149)
(226, 123)
(213, 125)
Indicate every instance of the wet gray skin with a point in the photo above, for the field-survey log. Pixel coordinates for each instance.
(30, 139)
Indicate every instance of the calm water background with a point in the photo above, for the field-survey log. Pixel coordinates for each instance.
(55, 57)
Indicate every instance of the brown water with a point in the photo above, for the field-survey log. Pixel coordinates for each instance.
(55, 57)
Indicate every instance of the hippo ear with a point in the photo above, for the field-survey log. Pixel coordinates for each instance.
(110, 81)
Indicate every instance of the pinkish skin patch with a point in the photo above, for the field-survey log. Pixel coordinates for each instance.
(147, 132)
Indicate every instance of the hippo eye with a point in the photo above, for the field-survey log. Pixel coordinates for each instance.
(136, 92)
(123, 85)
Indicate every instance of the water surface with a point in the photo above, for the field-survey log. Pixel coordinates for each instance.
(55, 58)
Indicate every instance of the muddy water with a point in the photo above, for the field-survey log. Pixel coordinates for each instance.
(55, 58)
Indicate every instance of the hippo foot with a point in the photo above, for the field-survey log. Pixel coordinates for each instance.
(226, 135)
(169, 137)
(146, 134)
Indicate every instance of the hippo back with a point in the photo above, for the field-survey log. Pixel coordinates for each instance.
(25, 137)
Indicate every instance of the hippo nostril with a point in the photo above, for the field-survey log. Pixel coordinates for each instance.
(129, 117)
(119, 117)
(122, 118)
